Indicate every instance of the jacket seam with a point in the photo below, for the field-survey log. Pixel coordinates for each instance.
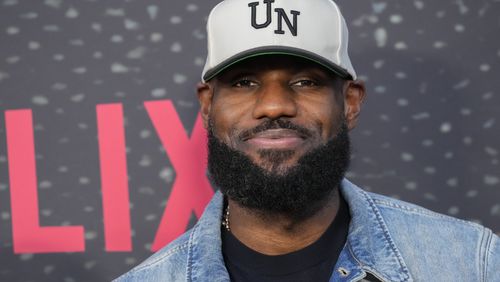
(424, 212)
(163, 256)
(189, 261)
(364, 267)
(489, 238)
(481, 265)
(386, 235)
(349, 247)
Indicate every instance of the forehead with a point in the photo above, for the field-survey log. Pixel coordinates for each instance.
(287, 63)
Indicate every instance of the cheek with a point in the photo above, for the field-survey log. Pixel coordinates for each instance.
(226, 116)
(326, 116)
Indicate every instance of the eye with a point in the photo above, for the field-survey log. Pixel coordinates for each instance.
(305, 83)
(242, 83)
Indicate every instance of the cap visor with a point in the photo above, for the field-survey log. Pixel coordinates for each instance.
(276, 50)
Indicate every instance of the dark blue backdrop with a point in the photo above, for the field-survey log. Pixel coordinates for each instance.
(428, 132)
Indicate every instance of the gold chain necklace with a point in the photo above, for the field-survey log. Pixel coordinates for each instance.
(225, 219)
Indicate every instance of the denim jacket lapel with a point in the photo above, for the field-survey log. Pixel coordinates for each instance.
(205, 247)
(369, 247)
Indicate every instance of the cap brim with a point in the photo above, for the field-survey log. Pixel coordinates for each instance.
(276, 50)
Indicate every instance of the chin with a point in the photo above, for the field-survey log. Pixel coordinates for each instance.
(277, 162)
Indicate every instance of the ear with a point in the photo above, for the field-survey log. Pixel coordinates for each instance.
(205, 95)
(354, 94)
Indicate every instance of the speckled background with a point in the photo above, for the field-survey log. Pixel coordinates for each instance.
(428, 131)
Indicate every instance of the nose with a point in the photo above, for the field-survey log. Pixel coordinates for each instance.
(275, 100)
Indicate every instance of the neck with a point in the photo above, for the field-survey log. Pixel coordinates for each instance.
(277, 234)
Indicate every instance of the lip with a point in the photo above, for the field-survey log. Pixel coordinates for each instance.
(276, 139)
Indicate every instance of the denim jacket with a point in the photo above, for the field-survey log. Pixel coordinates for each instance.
(390, 239)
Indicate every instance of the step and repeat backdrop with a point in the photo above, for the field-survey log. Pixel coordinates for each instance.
(102, 156)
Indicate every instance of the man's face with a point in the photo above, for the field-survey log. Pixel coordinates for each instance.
(278, 133)
(274, 109)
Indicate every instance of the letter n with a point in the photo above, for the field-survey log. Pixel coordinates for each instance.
(282, 16)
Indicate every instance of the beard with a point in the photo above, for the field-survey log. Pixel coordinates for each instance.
(297, 192)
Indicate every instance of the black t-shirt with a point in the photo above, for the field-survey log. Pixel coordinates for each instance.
(312, 263)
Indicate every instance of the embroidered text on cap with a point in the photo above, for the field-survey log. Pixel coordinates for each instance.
(281, 16)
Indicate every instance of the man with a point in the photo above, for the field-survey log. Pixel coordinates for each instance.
(278, 99)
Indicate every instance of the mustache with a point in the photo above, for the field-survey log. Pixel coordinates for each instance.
(275, 124)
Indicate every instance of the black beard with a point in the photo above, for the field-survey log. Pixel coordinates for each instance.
(297, 193)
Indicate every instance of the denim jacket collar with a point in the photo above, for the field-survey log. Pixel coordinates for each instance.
(205, 245)
(369, 246)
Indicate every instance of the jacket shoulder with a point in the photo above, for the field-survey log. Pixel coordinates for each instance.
(168, 264)
(391, 205)
(426, 239)
(493, 262)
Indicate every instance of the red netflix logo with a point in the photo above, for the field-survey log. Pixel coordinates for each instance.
(187, 154)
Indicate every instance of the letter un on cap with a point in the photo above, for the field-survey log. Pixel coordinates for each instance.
(311, 29)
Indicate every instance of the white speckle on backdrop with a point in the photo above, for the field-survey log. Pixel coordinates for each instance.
(156, 37)
(40, 100)
(72, 13)
(445, 127)
(396, 19)
(152, 11)
(400, 45)
(175, 20)
(192, 7)
(167, 174)
(176, 47)
(53, 3)
(491, 180)
(406, 157)
(130, 24)
(158, 92)
(462, 84)
(5, 216)
(418, 4)
(119, 68)
(179, 78)
(115, 12)
(381, 37)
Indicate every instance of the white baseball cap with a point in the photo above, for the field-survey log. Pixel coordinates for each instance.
(311, 29)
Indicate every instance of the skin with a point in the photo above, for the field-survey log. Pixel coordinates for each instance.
(278, 87)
